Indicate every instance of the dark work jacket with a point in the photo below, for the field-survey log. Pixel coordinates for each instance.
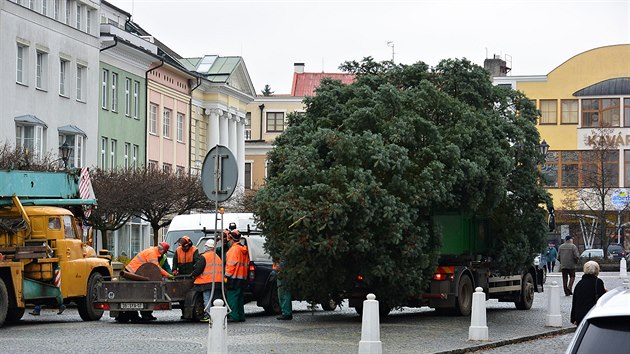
(585, 295)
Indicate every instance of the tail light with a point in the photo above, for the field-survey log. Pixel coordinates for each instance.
(251, 275)
(444, 273)
(104, 307)
(164, 306)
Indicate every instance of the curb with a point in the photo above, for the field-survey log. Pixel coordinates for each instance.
(509, 341)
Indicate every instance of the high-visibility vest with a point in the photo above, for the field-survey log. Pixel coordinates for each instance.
(212, 271)
(183, 256)
(237, 262)
(150, 255)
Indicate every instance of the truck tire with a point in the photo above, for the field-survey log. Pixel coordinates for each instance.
(273, 306)
(198, 309)
(330, 305)
(463, 302)
(383, 311)
(85, 305)
(527, 293)
(4, 302)
(15, 314)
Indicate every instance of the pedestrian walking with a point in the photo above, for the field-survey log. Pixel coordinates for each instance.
(586, 293)
(568, 256)
(552, 256)
(186, 256)
(208, 276)
(284, 294)
(237, 262)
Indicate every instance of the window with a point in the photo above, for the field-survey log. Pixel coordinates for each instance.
(248, 126)
(31, 4)
(103, 153)
(75, 142)
(112, 154)
(248, 175)
(78, 17)
(153, 118)
(67, 14)
(180, 127)
(134, 159)
(21, 70)
(603, 112)
(127, 96)
(569, 169)
(30, 137)
(275, 121)
(569, 114)
(57, 9)
(63, 73)
(548, 112)
(104, 85)
(68, 227)
(126, 157)
(114, 92)
(626, 168)
(80, 82)
(88, 21)
(179, 171)
(45, 7)
(626, 112)
(136, 103)
(152, 164)
(167, 167)
(166, 123)
(42, 73)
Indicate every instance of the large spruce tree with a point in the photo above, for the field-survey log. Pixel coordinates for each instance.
(354, 181)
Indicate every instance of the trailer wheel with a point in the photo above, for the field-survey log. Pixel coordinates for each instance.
(463, 303)
(198, 309)
(4, 302)
(330, 305)
(85, 305)
(527, 293)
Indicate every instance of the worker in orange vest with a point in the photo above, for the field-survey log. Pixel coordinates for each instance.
(149, 255)
(186, 256)
(237, 263)
(208, 276)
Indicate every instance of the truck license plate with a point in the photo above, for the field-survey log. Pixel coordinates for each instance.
(131, 306)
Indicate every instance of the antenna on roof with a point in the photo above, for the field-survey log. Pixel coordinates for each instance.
(322, 64)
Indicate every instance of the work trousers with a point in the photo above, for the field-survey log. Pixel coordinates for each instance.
(285, 298)
(570, 274)
(237, 304)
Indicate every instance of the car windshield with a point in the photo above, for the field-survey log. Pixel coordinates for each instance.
(173, 236)
(605, 335)
(596, 252)
(615, 248)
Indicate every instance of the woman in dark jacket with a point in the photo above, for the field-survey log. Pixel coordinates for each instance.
(586, 292)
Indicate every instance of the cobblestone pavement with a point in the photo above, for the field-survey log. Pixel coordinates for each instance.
(311, 331)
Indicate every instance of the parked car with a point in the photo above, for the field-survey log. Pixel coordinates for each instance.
(261, 286)
(616, 252)
(606, 328)
(593, 253)
(540, 268)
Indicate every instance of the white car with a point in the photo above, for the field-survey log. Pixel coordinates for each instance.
(606, 328)
(593, 253)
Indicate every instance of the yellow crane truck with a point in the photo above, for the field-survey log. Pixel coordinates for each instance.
(43, 259)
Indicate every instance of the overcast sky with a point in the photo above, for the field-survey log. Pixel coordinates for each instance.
(536, 35)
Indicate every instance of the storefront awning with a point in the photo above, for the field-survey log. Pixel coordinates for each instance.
(30, 119)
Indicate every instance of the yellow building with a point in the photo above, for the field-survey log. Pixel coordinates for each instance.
(587, 96)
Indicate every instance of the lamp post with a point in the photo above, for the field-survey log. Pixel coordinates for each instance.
(65, 153)
(543, 148)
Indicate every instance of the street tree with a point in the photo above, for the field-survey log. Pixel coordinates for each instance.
(20, 158)
(267, 91)
(595, 173)
(354, 181)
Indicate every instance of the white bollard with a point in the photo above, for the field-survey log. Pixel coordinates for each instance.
(478, 329)
(554, 318)
(623, 268)
(370, 328)
(217, 331)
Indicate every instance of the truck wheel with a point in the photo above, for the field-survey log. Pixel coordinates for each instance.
(330, 305)
(85, 305)
(15, 314)
(273, 306)
(527, 293)
(4, 302)
(463, 303)
(198, 308)
(383, 311)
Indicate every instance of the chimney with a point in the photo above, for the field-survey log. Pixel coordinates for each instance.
(298, 68)
(496, 66)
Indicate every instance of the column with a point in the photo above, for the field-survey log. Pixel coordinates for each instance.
(232, 133)
(223, 129)
(213, 127)
(240, 148)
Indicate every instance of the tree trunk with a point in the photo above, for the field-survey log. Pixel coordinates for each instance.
(104, 239)
(155, 228)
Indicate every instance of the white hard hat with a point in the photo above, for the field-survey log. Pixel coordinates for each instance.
(209, 244)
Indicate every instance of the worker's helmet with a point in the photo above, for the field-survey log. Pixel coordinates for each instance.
(235, 235)
(164, 246)
(209, 244)
(185, 241)
(232, 226)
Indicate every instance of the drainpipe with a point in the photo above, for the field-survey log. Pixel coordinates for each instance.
(146, 118)
(262, 107)
(190, 120)
(111, 46)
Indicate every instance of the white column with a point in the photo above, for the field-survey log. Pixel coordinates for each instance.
(223, 130)
(213, 127)
(240, 156)
(232, 133)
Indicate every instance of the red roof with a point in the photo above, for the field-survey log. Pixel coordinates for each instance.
(304, 84)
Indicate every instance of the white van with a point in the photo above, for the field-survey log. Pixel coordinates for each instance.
(192, 225)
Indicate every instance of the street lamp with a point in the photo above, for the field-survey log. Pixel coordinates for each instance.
(543, 148)
(65, 153)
